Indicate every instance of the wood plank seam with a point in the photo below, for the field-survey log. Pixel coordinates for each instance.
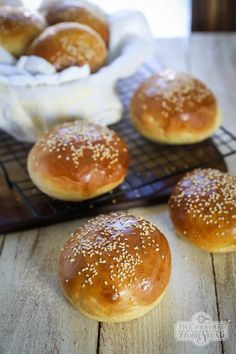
(217, 301)
(34, 246)
(99, 335)
(2, 243)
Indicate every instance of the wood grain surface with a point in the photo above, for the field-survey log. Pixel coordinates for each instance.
(213, 15)
(34, 316)
(221, 78)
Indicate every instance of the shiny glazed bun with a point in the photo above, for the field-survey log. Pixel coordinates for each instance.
(77, 161)
(174, 108)
(115, 267)
(18, 28)
(69, 43)
(79, 11)
(203, 209)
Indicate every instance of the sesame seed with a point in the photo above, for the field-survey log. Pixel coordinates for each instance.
(116, 245)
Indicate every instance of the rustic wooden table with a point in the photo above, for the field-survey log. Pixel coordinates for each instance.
(34, 316)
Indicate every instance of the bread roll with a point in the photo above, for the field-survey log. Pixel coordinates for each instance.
(174, 108)
(79, 11)
(67, 44)
(77, 161)
(203, 210)
(18, 28)
(115, 267)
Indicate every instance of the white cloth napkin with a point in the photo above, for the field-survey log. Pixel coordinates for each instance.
(33, 96)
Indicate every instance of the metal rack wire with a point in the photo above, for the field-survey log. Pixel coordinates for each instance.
(153, 170)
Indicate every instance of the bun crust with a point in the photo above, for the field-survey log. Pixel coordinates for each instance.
(174, 108)
(82, 12)
(18, 28)
(69, 43)
(77, 161)
(203, 210)
(115, 267)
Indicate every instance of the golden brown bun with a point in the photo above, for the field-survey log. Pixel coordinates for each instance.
(18, 28)
(174, 108)
(203, 209)
(77, 161)
(115, 267)
(69, 43)
(79, 11)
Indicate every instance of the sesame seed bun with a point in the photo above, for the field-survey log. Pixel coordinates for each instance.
(67, 44)
(174, 108)
(18, 28)
(115, 267)
(77, 161)
(82, 12)
(203, 210)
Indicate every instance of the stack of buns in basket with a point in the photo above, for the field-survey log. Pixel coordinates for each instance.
(67, 33)
(117, 267)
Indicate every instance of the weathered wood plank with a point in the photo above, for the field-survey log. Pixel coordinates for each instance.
(192, 284)
(219, 71)
(213, 61)
(35, 317)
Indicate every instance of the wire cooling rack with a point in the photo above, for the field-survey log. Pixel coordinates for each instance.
(153, 171)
